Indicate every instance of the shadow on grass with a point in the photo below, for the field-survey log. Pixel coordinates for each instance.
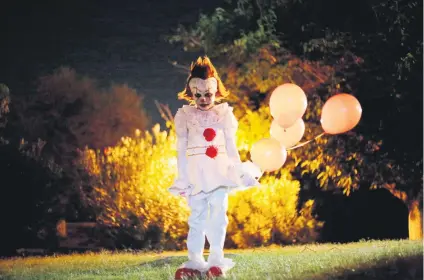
(173, 261)
(409, 268)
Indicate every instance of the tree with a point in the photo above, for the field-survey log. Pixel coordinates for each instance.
(390, 47)
(28, 185)
(4, 106)
(70, 112)
(63, 116)
(374, 46)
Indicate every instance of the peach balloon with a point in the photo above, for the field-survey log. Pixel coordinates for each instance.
(288, 137)
(268, 154)
(340, 113)
(286, 120)
(287, 104)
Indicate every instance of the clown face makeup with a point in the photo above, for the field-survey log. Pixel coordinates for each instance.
(204, 92)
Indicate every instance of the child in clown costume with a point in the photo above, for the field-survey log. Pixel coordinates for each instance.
(209, 167)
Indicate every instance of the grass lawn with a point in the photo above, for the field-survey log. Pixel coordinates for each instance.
(394, 259)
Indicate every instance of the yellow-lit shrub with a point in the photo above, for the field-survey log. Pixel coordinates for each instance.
(131, 181)
(269, 214)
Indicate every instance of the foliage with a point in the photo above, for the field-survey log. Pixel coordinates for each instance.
(66, 112)
(238, 25)
(4, 104)
(131, 181)
(4, 110)
(29, 204)
(270, 215)
(70, 112)
(32, 187)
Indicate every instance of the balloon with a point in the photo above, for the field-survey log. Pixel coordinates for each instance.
(288, 137)
(285, 120)
(287, 104)
(340, 113)
(268, 154)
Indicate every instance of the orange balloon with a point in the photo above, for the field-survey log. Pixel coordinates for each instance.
(340, 113)
(288, 137)
(268, 154)
(287, 104)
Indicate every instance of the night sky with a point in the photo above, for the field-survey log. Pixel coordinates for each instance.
(111, 41)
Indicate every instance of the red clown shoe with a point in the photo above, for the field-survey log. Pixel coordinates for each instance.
(187, 273)
(213, 272)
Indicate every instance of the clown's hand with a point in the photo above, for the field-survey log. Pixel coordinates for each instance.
(183, 194)
(249, 174)
(251, 169)
(249, 180)
(181, 188)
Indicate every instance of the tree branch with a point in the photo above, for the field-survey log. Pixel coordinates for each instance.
(179, 66)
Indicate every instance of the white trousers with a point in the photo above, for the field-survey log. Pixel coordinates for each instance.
(208, 219)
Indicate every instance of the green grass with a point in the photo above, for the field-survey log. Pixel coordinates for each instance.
(396, 259)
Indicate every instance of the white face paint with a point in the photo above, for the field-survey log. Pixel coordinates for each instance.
(204, 92)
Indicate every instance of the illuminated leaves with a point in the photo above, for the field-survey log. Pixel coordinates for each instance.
(132, 180)
(260, 215)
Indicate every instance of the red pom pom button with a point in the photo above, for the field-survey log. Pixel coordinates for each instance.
(212, 151)
(209, 134)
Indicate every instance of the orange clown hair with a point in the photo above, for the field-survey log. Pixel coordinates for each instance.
(203, 69)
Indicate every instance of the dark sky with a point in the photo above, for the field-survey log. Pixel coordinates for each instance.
(112, 41)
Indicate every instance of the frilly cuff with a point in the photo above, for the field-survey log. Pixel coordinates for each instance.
(181, 187)
(224, 264)
(252, 169)
(245, 174)
(199, 265)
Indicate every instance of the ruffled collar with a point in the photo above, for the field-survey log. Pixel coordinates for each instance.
(199, 118)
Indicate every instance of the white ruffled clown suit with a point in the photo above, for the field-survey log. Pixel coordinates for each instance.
(209, 167)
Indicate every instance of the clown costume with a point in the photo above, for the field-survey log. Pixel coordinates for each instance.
(209, 168)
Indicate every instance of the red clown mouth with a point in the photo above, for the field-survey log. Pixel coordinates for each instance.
(204, 105)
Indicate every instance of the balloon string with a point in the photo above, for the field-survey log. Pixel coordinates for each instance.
(304, 143)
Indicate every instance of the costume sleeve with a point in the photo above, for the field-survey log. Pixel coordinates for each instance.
(231, 126)
(182, 133)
